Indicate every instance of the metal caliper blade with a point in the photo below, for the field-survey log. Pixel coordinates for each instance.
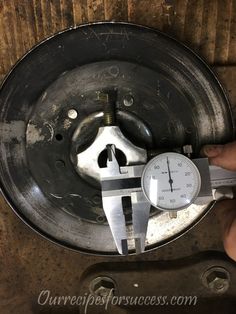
(140, 215)
(112, 204)
(113, 209)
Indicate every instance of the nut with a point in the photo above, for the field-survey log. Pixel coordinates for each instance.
(102, 286)
(216, 279)
(188, 150)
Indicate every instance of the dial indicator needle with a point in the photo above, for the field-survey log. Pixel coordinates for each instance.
(170, 179)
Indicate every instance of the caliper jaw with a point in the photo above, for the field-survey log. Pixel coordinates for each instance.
(118, 182)
(113, 209)
(140, 217)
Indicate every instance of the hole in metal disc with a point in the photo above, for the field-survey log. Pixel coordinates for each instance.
(72, 114)
(60, 164)
(59, 137)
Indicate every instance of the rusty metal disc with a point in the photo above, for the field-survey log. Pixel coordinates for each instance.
(167, 97)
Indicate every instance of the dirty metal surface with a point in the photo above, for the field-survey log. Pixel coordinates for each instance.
(146, 279)
(166, 80)
(29, 263)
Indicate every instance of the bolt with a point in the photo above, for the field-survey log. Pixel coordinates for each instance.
(60, 164)
(216, 279)
(102, 286)
(188, 130)
(100, 219)
(96, 199)
(109, 100)
(128, 100)
(173, 214)
(188, 150)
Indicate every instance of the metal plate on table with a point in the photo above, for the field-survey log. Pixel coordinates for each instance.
(176, 100)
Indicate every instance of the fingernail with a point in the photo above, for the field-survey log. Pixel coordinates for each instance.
(212, 150)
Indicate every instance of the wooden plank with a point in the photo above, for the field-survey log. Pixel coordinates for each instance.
(28, 262)
(179, 19)
(79, 14)
(67, 13)
(224, 9)
(208, 26)
(39, 21)
(116, 10)
(193, 23)
(208, 35)
(227, 75)
(232, 39)
(95, 10)
(146, 12)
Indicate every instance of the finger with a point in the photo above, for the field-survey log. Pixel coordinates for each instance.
(211, 150)
(221, 155)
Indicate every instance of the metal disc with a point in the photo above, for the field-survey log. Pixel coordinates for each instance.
(167, 97)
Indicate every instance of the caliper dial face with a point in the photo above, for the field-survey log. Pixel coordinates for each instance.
(171, 181)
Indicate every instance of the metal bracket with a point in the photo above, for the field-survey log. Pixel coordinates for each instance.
(118, 182)
(87, 161)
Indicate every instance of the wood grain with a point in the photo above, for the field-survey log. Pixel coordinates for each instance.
(28, 263)
(208, 26)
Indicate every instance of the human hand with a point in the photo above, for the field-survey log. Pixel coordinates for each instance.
(225, 156)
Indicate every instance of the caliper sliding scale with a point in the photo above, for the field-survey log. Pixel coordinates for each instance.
(130, 181)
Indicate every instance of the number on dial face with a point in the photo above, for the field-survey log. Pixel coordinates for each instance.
(171, 181)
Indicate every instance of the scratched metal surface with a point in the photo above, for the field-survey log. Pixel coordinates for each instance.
(28, 263)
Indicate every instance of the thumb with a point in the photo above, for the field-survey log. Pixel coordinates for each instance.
(211, 151)
(221, 155)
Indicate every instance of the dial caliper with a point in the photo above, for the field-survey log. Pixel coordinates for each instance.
(170, 182)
